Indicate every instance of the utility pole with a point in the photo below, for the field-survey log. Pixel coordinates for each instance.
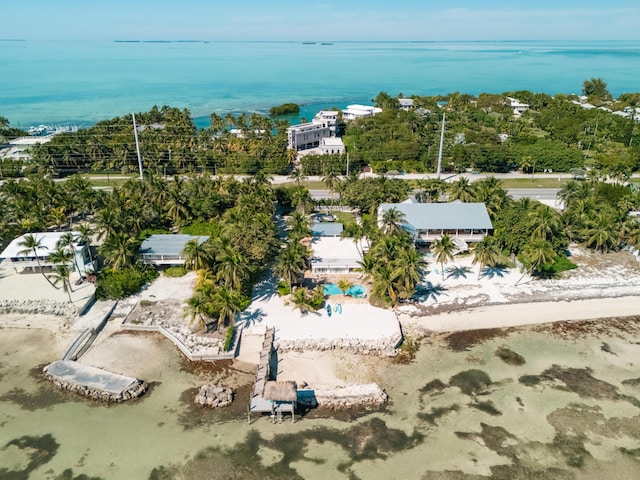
(440, 151)
(135, 134)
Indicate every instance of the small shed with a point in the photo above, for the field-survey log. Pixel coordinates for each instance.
(282, 395)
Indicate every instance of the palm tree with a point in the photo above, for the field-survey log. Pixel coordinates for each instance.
(298, 226)
(344, 285)
(292, 262)
(536, 254)
(545, 222)
(198, 307)
(197, 255)
(300, 198)
(486, 253)
(60, 273)
(355, 231)
(601, 232)
(297, 176)
(384, 286)
(68, 242)
(461, 190)
(331, 179)
(227, 302)
(233, 268)
(392, 220)
(31, 244)
(408, 270)
(84, 235)
(443, 251)
(119, 250)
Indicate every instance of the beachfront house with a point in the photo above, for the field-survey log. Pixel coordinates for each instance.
(166, 249)
(427, 222)
(20, 260)
(357, 111)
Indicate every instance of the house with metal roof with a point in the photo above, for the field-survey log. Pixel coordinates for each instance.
(427, 222)
(19, 258)
(166, 249)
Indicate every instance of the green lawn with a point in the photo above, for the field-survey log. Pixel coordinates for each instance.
(345, 217)
(534, 182)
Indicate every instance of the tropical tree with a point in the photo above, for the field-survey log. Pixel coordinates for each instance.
(31, 245)
(297, 176)
(298, 226)
(535, 255)
(67, 241)
(344, 285)
(392, 220)
(227, 302)
(197, 255)
(84, 235)
(545, 222)
(486, 253)
(384, 286)
(408, 269)
(60, 274)
(292, 262)
(461, 190)
(232, 268)
(601, 232)
(198, 307)
(119, 250)
(443, 251)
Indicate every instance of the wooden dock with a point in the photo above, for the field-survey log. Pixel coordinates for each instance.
(258, 403)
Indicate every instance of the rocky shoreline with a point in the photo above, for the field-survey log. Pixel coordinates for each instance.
(384, 347)
(344, 398)
(39, 307)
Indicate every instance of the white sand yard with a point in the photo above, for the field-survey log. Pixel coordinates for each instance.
(357, 321)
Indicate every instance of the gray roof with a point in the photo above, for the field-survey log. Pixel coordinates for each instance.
(435, 216)
(326, 229)
(167, 244)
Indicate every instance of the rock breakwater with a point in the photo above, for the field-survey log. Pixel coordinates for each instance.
(94, 382)
(343, 398)
(384, 346)
(39, 307)
(214, 396)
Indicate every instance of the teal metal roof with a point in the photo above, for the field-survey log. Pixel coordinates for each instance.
(445, 216)
(167, 244)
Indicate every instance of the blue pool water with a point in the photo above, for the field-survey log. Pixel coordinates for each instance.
(332, 289)
(357, 291)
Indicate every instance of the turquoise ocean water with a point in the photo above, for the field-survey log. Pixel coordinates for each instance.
(83, 82)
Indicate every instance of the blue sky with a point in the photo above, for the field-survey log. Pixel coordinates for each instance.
(321, 20)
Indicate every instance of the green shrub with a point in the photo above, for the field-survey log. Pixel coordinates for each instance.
(174, 272)
(117, 284)
(228, 341)
(283, 288)
(211, 229)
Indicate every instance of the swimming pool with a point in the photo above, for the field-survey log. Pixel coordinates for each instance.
(357, 291)
(332, 289)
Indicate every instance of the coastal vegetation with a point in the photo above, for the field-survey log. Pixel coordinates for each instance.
(284, 109)
(556, 133)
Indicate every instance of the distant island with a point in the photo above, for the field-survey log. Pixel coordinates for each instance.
(284, 109)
